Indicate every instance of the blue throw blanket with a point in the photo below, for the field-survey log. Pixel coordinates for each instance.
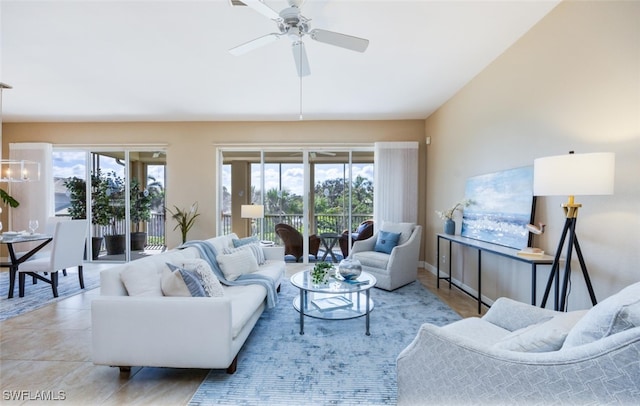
(208, 253)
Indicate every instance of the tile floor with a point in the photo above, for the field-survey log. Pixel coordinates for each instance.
(47, 353)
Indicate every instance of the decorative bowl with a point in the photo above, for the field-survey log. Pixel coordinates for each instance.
(350, 269)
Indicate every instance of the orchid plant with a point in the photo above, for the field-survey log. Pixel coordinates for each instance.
(448, 214)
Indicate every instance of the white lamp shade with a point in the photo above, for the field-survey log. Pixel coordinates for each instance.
(574, 174)
(252, 211)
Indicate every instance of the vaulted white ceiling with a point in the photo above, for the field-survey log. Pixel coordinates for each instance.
(150, 60)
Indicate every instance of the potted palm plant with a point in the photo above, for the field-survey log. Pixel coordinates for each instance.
(184, 219)
(76, 189)
(109, 203)
(139, 211)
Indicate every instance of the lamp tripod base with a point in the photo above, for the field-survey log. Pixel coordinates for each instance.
(554, 276)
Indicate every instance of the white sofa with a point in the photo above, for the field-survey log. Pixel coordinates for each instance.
(178, 332)
(518, 354)
(398, 268)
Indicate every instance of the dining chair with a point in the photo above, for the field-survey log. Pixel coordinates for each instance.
(67, 251)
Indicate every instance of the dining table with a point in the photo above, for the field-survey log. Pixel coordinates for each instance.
(15, 260)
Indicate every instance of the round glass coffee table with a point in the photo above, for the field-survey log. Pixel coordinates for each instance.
(336, 300)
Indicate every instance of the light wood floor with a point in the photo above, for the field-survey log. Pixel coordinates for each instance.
(50, 350)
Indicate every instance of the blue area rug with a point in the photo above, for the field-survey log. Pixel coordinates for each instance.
(334, 362)
(40, 294)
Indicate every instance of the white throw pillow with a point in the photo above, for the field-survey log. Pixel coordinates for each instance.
(205, 275)
(613, 315)
(236, 264)
(141, 281)
(541, 337)
(173, 284)
(255, 249)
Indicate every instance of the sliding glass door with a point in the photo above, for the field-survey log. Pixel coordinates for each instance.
(314, 192)
(121, 191)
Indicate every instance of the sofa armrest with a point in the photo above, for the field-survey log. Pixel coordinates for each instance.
(161, 331)
(513, 315)
(275, 253)
(444, 368)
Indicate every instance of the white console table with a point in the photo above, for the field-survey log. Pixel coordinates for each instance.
(496, 249)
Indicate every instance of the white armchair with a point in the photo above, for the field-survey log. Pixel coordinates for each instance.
(398, 268)
(518, 354)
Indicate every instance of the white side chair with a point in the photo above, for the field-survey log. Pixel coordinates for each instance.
(67, 250)
(398, 268)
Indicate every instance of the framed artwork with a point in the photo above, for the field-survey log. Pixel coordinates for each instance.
(502, 204)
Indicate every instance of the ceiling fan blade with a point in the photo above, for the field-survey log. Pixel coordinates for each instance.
(340, 40)
(262, 8)
(253, 44)
(300, 56)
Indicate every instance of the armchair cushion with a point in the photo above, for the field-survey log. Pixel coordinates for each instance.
(405, 230)
(386, 241)
(541, 337)
(615, 314)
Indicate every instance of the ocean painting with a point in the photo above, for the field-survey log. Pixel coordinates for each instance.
(502, 204)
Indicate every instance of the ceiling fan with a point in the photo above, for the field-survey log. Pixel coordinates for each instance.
(294, 25)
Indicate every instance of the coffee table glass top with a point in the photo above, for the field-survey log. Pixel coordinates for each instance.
(336, 285)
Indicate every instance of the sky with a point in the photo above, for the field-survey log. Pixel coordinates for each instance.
(72, 163)
(293, 175)
(67, 164)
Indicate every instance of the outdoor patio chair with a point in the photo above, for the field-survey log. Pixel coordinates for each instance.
(364, 231)
(292, 240)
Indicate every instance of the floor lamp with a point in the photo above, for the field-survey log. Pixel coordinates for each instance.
(571, 175)
(253, 212)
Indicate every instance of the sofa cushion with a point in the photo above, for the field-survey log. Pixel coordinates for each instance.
(221, 242)
(239, 242)
(613, 315)
(255, 249)
(238, 263)
(173, 284)
(405, 230)
(245, 301)
(197, 276)
(141, 281)
(191, 280)
(545, 336)
(386, 241)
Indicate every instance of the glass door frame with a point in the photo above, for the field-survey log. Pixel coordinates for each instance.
(102, 149)
(305, 150)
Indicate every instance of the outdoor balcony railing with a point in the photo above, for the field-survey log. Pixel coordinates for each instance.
(325, 223)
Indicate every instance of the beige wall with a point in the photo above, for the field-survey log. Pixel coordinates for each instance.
(571, 83)
(191, 147)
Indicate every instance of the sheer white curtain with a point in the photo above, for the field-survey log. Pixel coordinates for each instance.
(396, 182)
(36, 197)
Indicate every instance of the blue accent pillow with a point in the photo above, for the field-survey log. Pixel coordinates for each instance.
(386, 241)
(244, 241)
